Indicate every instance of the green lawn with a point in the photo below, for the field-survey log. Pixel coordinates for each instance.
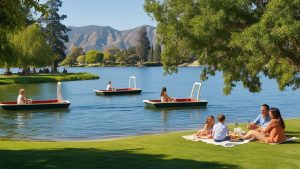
(45, 78)
(165, 151)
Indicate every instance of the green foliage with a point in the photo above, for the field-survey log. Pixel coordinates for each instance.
(67, 61)
(13, 16)
(72, 56)
(241, 38)
(160, 151)
(46, 78)
(94, 56)
(112, 54)
(142, 45)
(81, 59)
(157, 52)
(31, 47)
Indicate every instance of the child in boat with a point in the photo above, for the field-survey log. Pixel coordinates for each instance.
(164, 96)
(22, 99)
(220, 131)
(109, 86)
(206, 132)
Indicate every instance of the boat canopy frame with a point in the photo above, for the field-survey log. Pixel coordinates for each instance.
(199, 84)
(132, 79)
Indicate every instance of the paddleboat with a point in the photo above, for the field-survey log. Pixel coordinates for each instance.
(58, 103)
(131, 90)
(179, 102)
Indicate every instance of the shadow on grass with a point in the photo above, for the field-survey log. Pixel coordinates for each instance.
(292, 134)
(94, 158)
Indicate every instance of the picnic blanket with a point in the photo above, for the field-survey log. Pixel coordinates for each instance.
(224, 143)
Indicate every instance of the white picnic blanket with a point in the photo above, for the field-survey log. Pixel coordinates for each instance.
(223, 143)
(211, 141)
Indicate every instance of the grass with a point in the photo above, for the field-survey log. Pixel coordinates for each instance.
(45, 78)
(164, 151)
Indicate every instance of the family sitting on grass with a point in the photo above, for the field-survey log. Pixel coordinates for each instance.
(268, 127)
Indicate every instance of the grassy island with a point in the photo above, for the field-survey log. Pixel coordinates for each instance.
(45, 78)
(167, 151)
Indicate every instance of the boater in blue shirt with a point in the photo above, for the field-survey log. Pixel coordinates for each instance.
(261, 120)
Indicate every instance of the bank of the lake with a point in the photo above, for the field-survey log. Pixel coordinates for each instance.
(46, 78)
(168, 150)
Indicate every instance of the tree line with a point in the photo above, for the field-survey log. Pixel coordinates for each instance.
(142, 53)
(30, 41)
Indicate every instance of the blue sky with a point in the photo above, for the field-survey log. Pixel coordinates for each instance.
(119, 14)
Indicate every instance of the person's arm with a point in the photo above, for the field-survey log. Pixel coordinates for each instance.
(24, 99)
(256, 121)
(205, 127)
(270, 126)
(227, 131)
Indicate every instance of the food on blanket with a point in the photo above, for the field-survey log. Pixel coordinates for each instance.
(235, 136)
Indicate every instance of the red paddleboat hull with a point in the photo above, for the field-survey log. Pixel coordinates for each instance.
(36, 105)
(124, 91)
(178, 103)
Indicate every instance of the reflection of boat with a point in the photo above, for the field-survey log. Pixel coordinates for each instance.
(58, 103)
(123, 91)
(180, 102)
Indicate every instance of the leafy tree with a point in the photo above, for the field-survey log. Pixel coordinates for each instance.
(12, 18)
(110, 54)
(94, 56)
(55, 30)
(142, 44)
(31, 47)
(72, 56)
(151, 54)
(81, 59)
(67, 61)
(241, 38)
(157, 52)
(133, 59)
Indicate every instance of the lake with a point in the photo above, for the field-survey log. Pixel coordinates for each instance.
(95, 117)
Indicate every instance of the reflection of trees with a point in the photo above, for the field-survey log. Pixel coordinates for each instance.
(13, 124)
(35, 91)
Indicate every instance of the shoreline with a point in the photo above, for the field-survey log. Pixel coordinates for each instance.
(119, 138)
(45, 78)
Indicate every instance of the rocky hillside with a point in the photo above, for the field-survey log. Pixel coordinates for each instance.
(99, 37)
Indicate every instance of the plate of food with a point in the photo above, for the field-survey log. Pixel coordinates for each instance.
(236, 137)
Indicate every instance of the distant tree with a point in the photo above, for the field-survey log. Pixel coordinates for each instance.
(72, 56)
(94, 56)
(31, 47)
(110, 54)
(157, 52)
(133, 59)
(151, 54)
(142, 44)
(81, 59)
(55, 30)
(240, 38)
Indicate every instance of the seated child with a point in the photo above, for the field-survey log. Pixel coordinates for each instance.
(207, 130)
(220, 131)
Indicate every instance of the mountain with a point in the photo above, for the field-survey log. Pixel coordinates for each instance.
(99, 37)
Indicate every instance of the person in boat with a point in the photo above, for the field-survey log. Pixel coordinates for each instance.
(164, 96)
(206, 132)
(273, 133)
(109, 86)
(22, 99)
(220, 131)
(261, 120)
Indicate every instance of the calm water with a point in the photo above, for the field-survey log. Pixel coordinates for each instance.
(92, 117)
